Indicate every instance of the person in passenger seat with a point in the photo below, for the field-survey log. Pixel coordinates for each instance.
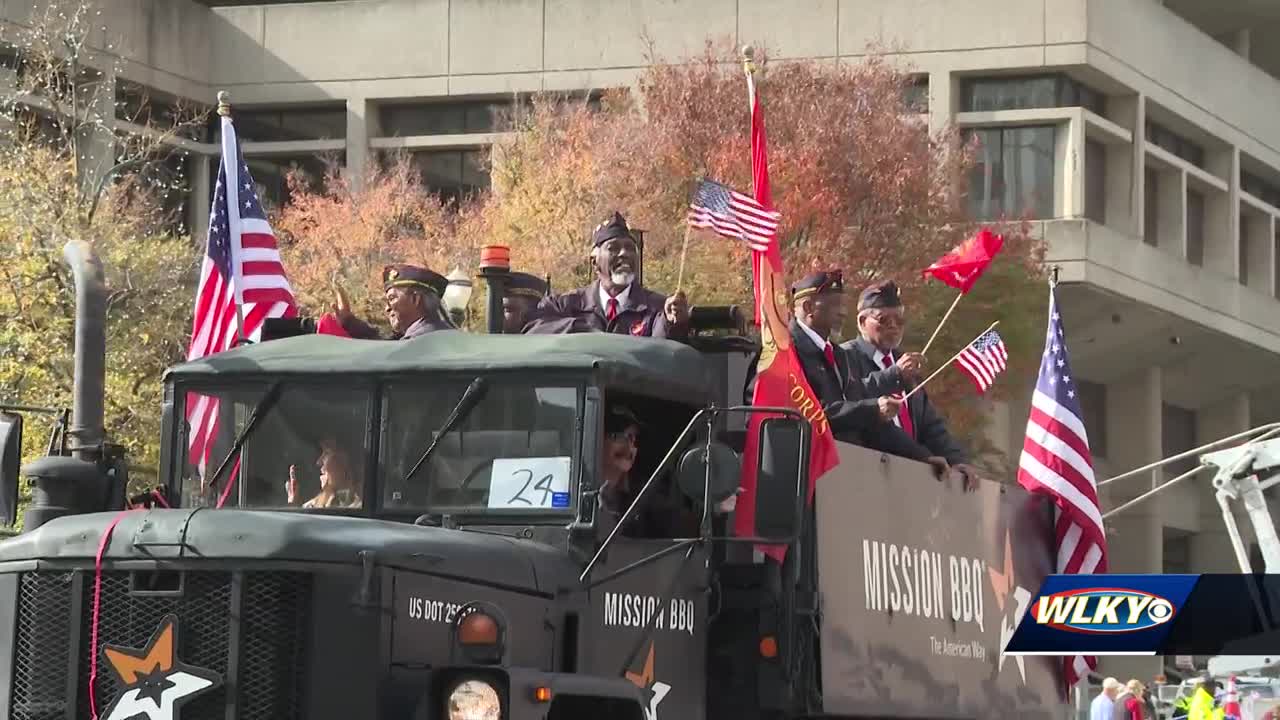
(657, 515)
(339, 480)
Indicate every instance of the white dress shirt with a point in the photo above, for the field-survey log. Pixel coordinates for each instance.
(621, 297)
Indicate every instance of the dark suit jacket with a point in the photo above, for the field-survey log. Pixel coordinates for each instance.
(580, 311)
(853, 415)
(930, 429)
(358, 328)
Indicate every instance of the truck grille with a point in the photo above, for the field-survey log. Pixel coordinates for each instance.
(251, 628)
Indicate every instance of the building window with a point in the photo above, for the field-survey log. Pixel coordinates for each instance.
(1162, 136)
(1195, 227)
(140, 105)
(446, 118)
(1178, 435)
(1014, 174)
(1275, 261)
(270, 175)
(453, 174)
(1020, 93)
(1259, 188)
(1095, 181)
(1151, 208)
(285, 125)
(1176, 552)
(916, 94)
(1093, 405)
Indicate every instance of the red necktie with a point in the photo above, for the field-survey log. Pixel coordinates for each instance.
(831, 357)
(612, 312)
(904, 414)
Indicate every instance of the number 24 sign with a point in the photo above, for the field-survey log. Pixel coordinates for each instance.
(529, 483)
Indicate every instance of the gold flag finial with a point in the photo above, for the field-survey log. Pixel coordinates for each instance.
(224, 103)
(749, 58)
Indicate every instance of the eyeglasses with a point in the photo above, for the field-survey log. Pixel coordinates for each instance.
(888, 320)
(629, 436)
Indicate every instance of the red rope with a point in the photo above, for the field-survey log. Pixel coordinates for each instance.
(97, 601)
(226, 491)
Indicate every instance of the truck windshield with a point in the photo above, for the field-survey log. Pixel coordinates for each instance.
(512, 454)
(308, 451)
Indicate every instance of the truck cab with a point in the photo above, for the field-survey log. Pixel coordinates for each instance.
(412, 529)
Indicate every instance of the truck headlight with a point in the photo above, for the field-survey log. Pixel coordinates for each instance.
(474, 700)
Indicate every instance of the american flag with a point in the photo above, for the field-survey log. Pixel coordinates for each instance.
(1056, 462)
(242, 283)
(716, 207)
(983, 359)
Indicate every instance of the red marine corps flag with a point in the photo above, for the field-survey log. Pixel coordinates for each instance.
(780, 380)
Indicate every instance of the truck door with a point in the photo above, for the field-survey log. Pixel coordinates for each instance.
(669, 597)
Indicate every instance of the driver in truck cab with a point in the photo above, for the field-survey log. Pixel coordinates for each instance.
(615, 302)
(656, 516)
(339, 482)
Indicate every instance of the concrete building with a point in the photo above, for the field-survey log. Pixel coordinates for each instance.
(1141, 134)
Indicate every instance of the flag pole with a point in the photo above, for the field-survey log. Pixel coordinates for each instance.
(683, 252)
(953, 359)
(942, 322)
(224, 110)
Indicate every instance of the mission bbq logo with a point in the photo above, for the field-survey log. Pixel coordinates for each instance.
(924, 583)
(1103, 610)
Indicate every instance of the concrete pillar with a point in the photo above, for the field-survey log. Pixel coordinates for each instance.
(1138, 158)
(95, 140)
(360, 118)
(198, 169)
(1211, 548)
(1171, 197)
(1222, 215)
(944, 100)
(1069, 154)
(1135, 536)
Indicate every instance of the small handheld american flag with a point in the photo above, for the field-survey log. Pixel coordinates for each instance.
(717, 208)
(983, 359)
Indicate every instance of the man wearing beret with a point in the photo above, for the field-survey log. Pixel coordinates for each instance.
(524, 292)
(886, 371)
(819, 308)
(412, 295)
(614, 303)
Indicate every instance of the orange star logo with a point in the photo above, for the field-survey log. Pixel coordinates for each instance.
(653, 690)
(155, 684)
(1002, 582)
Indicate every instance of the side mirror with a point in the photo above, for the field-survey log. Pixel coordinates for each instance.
(781, 478)
(725, 467)
(10, 466)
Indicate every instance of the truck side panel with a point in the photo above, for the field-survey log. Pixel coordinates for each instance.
(922, 584)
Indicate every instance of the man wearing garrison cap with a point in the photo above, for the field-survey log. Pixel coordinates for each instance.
(412, 296)
(615, 302)
(886, 371)
(524, 292)
(819, 308)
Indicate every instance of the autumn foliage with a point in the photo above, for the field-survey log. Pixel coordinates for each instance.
(860, 180)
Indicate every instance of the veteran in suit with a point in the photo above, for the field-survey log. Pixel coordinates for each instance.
(883, 369)
(615, 302)
(412, 304)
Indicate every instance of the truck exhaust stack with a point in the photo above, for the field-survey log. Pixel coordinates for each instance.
(87, 430)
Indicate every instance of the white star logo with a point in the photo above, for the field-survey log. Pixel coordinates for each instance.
(156, 684)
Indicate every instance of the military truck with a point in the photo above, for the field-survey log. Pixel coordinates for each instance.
(464, 571)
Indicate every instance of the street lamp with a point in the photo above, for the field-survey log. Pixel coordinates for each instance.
(456, 296)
